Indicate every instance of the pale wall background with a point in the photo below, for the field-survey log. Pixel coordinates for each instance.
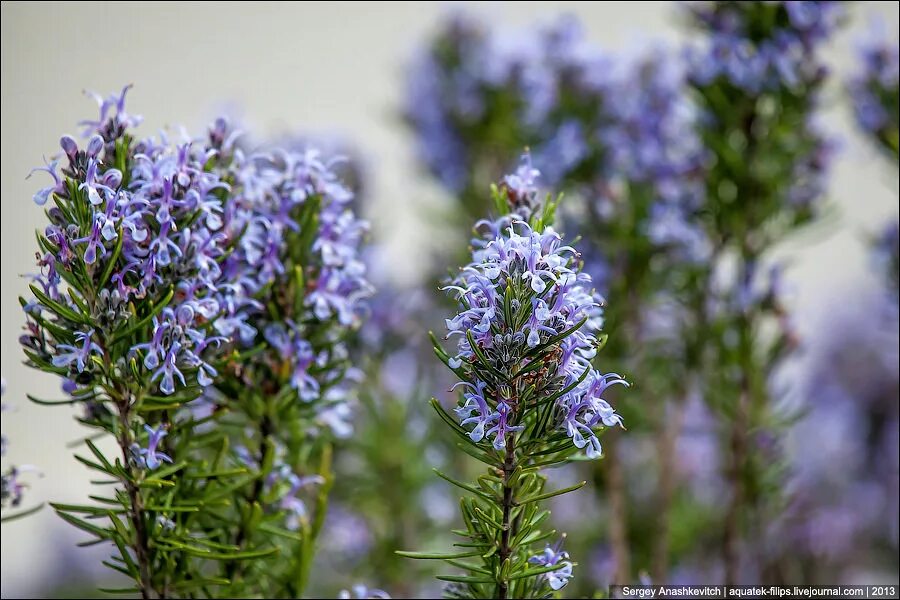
(335, 68)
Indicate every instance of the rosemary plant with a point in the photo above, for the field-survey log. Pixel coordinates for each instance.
(125, 310)
(527, 329)
(296, 292)
(757, 81)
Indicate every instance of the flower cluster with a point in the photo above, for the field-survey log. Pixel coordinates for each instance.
(647, 181)
(294, 225)
(141, 222)
(478, 91)
(523, 295)
(757, 56)
(876, 92)
(181, 276)
(607, 127)
(780, 60)
(293, 289)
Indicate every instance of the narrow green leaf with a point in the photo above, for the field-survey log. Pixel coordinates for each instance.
(215, 474)
(481, 513)
(53, 402)
(89, 510)
(84, 525)
(464, 486)
(111, 263)
(96, 452)
(211, 555)
(156, 483)
(468, 567)
(534, 572)
(116, 567)
(80, 303)
(169, 470)
(96, 466)
(22, 514)
(464, 579)
(435, 555)
(282, 533)
(190, 584)
(61, 310)
(470, 449)
(540, 497)
(174, 509)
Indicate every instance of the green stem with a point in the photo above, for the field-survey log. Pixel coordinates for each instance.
(140, 545)
(738, 436)
(666, 454)
(509, 466)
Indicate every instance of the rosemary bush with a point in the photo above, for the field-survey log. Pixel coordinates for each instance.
(195, 297)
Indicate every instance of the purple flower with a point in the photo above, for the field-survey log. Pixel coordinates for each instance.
(94, 240)
(475, 402)
(80, 355)
(111, 124)
(58, 187)
(150, 457)
(13, 488)
(362, 592)
(289, 502)
(553, 556)
(521, 187)
(169, 370)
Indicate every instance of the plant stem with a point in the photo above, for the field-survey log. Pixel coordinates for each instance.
(509, 465)
(666, 456)
(136, 504)
(619, 525)
(738, 437)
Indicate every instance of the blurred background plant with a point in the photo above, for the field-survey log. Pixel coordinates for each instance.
(685, 173)
(657, 148)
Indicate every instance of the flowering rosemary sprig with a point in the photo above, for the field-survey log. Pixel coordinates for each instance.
(296, 291)
(528, 326)
(616, 133)
(125, 310)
